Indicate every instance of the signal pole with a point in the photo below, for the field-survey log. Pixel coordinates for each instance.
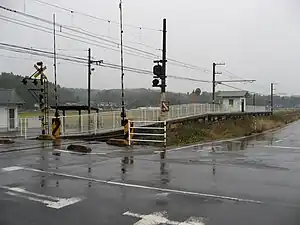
(160, 75)
(164, 70)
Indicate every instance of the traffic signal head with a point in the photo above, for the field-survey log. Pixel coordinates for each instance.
(155, 83)
(158, 70)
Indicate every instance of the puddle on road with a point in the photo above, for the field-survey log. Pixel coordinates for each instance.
(240, 144)
(162, 174)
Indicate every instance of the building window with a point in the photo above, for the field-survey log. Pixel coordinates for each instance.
(231, 102)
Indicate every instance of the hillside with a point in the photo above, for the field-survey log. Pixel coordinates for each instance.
(134, 97)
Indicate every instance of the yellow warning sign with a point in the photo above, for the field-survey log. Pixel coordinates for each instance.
(56, 127)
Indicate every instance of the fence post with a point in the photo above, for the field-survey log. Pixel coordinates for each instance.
(165, 136)
(95, 123)
(98, 121)
(114, 120)
(129, 127)
(102, 121)
(62, 125)
(21, 126)
(25, 129)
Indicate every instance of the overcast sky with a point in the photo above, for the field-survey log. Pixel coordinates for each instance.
(257, 39)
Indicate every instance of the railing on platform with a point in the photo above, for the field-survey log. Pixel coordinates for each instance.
(141, 133)
(111, 121)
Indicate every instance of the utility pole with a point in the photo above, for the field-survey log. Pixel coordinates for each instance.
(123, 113)
(90, 69)
(89, 87)
(214, 83)
(55, 68)
(272, 97)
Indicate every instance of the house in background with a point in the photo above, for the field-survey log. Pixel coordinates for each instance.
(233, 101)
(10, 102)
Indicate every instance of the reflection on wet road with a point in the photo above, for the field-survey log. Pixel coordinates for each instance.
(246, 181)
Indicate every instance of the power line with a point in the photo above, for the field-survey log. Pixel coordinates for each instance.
(95, 17)
(132, 49)
(92, 42)
(76, 31)
(80, 60)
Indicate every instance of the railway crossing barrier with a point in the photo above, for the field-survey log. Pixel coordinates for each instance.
(147, 132)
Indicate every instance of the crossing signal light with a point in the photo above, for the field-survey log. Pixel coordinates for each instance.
(155, 83)
(158, 75)
(158, 71)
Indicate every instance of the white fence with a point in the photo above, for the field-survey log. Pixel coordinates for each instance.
(110, 121)
(148, 134)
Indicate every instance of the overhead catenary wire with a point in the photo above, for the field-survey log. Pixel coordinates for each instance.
(87, 33)
(131, 50)
(145, 53)
(80, 60)
(36, 52)
(234, 76)
(91, 42)
(72, 11)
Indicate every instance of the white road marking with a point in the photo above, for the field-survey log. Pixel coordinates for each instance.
(208, 143)
(160, 218)
(86, 153)
(283, 147)
(14, 151)
(281, 140)
(12, 168)
(174, 191)
(52, 202)
(80, 153)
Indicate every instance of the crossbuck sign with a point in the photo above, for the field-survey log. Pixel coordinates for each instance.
(165, 107)
(39, 71)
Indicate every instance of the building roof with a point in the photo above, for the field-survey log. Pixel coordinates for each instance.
(228, 94)
(9, 96)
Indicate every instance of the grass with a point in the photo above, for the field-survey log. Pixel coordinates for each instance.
(199, 132)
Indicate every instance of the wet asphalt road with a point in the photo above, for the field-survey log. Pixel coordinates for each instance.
(236, 182)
